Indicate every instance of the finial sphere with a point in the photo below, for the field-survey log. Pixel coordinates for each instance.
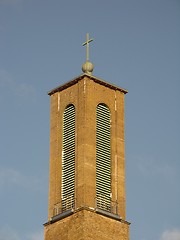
(87, 67)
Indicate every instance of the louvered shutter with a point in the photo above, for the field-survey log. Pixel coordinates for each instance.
(68, 158)
(103, 157)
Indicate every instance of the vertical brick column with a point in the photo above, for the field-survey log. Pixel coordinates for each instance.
(85, 93)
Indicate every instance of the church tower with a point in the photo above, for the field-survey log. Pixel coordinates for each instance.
(87, 160)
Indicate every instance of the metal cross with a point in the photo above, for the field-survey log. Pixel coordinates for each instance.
(87, 45)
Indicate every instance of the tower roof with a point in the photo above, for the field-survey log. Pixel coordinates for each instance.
(87, 68)
(93, 78)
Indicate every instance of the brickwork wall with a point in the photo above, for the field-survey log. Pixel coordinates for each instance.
(85, 95)
(87, 225)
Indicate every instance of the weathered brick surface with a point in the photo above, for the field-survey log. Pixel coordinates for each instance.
(85, 95)
(87, 225)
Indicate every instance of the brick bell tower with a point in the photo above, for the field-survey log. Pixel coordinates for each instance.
(87, 160)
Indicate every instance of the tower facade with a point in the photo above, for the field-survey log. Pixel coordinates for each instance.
(87, 161)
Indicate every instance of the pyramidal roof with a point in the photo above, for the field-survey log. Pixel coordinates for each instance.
(91, 77)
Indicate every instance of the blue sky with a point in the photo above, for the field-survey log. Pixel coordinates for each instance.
(136, 46)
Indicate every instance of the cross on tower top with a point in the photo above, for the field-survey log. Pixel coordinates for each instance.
(87, 67)
(87, 45)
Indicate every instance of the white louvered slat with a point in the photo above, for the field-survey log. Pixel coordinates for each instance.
(68, 159)
(103, 157)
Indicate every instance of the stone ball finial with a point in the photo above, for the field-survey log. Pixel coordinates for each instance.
(87, 67)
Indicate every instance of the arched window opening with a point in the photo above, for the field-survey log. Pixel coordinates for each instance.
(103, 158)
(68, 158)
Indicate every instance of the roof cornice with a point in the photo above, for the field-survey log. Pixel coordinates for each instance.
(77, 79)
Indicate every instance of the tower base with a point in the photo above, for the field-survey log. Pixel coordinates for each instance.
(86, 225)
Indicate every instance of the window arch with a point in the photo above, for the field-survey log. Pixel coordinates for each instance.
(68, 158)
(103, 157)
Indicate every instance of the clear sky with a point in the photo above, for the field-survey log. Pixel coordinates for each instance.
(137, 47)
